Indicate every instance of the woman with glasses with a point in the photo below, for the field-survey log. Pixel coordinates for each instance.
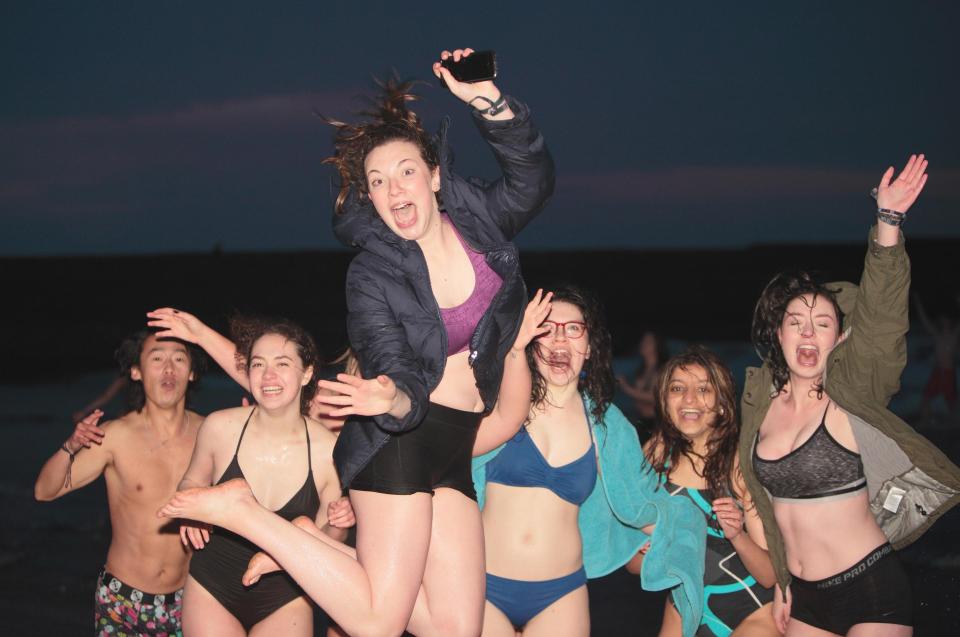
(549, 494)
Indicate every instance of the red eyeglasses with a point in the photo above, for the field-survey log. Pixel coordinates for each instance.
(571, 329)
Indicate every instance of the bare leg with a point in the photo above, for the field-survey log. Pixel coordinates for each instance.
(261, 563)
(204, 616)
(372, 595)
(797, 628)
(495, 623)
(295, 618)
(569, 616)
(452, 598)
(759, 623)
(880, 630)
(421, 621)
(672, 625)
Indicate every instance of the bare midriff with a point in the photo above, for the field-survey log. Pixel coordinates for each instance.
(530, 533)
(827, 537)
(458, 386)
(145, 551)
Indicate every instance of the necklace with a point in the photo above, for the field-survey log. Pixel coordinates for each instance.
(162, 443)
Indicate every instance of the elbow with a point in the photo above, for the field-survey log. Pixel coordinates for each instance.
(42, 496)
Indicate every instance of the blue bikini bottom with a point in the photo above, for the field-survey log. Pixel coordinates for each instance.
(521, 600)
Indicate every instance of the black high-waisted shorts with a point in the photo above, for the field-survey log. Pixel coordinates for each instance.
(874, 590)
(435, 454)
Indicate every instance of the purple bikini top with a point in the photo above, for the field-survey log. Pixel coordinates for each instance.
(461, 321)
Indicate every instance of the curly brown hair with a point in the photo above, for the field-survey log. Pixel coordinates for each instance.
(668, 444)
(245, 331)
(768, 317)
(389, 120)
(596, 379)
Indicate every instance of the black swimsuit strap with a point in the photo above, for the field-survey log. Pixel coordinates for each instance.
(306, 430)
(243, 431)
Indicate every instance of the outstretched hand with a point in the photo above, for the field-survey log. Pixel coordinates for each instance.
(898, 195)
(533, 316)
(358, 396)
(86, 433)
(176, 324)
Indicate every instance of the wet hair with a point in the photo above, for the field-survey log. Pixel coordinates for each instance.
(667, 444)
(128, 355)
(596, 378)
(245, 331)
(768, 317)
(388, 120)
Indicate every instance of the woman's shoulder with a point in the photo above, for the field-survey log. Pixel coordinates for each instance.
(227, 419)
(322, 439)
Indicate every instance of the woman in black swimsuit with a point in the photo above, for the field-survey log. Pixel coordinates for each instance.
(694, 451)
(286, 458)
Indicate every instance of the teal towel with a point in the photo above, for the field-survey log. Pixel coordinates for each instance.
(624, 500)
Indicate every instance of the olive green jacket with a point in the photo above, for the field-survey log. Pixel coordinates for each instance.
(910, 482)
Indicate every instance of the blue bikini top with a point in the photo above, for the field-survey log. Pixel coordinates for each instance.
(520, 464)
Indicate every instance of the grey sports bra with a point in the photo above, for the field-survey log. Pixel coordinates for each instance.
(819, 468)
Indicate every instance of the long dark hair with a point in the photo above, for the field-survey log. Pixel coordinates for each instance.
(596, 379)
(768, 317)
(389, 120)
(245, 331)
(667, 444)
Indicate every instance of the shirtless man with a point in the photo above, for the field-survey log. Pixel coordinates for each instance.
(143, 455)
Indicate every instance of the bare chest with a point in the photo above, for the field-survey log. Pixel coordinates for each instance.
(452, 277)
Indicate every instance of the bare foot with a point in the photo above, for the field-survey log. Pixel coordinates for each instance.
(223, 505)
(261, 563)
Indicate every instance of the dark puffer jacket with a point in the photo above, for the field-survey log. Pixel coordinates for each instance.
(393, 319)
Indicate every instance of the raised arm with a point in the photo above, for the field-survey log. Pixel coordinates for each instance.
(513, 403)
(200, 474)
(80, 461)
(879, 320)
(187, 327)
(525, 162)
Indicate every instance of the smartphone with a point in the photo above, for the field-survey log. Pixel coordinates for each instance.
(479, 66)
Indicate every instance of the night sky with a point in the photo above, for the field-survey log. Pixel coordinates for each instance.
(136, 127)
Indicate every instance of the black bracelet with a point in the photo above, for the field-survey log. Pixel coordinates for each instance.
(891, 217)
(495, 108)
(69, 453)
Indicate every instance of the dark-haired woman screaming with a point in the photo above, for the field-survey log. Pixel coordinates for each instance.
(436, 318)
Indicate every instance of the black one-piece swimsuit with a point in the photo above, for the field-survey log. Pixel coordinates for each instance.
(219, 566)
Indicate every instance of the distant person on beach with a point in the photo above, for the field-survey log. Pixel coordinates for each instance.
(945, 333)
(653, 353)
(116, 386)
(287, 459)
(838, 480)
(142, 456)
(693, 451)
